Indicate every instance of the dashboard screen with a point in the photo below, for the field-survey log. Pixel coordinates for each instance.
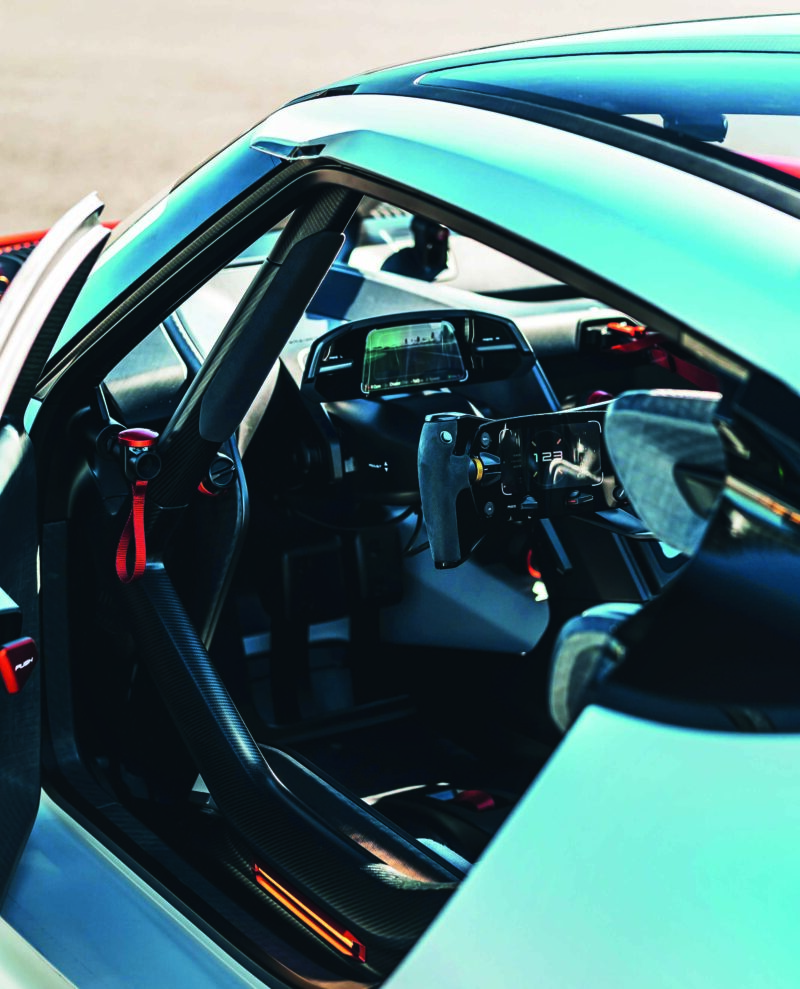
(412, 356)
(567, 456)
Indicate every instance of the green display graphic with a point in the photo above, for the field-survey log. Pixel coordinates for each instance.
(413, 355)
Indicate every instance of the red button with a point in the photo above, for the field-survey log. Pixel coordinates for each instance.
(137, 437)
(475, 799)
(17, 661)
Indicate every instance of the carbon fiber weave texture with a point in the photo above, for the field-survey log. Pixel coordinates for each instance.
(386, 909)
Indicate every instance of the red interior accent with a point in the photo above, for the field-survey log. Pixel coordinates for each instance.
(18, 660)
(133, 533)
(137, 437)
(531, 568)
(653, 342)
(599, 396)
(642, 342)
(475, 799)
(631, 330)
(697, 375)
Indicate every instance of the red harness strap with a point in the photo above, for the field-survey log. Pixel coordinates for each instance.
(133, 532)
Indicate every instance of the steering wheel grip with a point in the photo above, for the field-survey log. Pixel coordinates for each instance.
(443, 474)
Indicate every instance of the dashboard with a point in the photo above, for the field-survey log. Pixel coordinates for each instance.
(414, 352)
(378, 369)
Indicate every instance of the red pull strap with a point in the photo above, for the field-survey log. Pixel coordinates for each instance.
(133, 532)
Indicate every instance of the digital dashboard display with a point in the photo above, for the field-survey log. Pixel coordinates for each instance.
(567, 456)
(412, 356)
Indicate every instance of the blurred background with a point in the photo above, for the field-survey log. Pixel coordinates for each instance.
(124, 97)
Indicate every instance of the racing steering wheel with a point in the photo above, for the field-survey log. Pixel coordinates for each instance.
(474, 471)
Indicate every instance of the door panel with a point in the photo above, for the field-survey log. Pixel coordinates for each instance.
(39, 299)
(19, 712)
(32, 313)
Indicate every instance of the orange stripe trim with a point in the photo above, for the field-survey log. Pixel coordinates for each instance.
(760, 498)
(342, 940)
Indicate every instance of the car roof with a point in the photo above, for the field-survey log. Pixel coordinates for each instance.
(727, 279)
(760, 33)
(662, 234)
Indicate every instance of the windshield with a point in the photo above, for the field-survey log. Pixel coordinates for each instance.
(383, 242)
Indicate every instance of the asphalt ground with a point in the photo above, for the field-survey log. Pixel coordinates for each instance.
(124, 97)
